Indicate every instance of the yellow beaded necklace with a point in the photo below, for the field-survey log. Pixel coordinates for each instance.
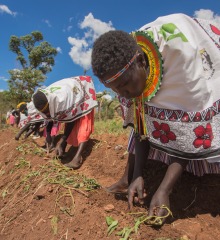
(153, 80)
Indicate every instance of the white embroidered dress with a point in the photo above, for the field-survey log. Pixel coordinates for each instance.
(183, 118)
(70, 98)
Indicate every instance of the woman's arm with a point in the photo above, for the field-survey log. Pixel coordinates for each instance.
(63, 143)
(173, 173)
(137, 186)
(48, 132)
(141, 154)
(161, 197)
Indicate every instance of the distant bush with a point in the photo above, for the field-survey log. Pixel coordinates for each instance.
(113, 126)
(3, 119)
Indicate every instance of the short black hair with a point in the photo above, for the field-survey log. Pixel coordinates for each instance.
(112, 51)
(39, 100)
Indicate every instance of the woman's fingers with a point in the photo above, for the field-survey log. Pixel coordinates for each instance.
(130, 199)
(140, 198)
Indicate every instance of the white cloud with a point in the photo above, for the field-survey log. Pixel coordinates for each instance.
(80, 53)
(2, 90)
(96, 27)
(3, 78)
(81, 49)
(59, 50)
(69, 28)
(107, 97)
(47, 22)
(5, 9)
(207, 14)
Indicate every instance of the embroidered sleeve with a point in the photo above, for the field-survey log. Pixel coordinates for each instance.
(127, 108)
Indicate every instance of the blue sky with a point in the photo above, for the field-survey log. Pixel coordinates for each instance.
(71, 27)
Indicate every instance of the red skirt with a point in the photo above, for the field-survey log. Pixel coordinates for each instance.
(83, 128)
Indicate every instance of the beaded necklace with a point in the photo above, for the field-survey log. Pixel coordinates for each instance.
(153, 80)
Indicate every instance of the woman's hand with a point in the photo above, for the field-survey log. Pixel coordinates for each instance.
(49, 139)
(160, 198)
(136, 192)
(60, 149)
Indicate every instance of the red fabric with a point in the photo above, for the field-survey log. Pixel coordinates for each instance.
(12, 119)
(54, 131)
(82, 129)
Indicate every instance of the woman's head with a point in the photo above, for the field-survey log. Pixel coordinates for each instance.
(40, 102)
(119, 63)
(22, 107)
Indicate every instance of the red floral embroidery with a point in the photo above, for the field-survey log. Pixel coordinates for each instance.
(92, 91)
(86, 78)
(84, 106)
(161, 116)
(74, 111)
(204, 136)
(215, 29)
(163, 132)
(125, 102)
(197, 117)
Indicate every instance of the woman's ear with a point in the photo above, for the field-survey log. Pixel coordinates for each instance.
(141, 60)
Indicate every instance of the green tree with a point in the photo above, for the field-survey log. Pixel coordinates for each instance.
(36, 58)
(6, 104)
(3, 102)
(106, 107)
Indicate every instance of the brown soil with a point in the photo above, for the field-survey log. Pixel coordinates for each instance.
(32, 208)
